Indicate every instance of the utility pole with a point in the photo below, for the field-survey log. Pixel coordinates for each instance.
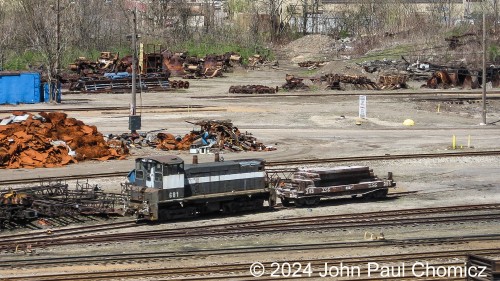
(484, 67)
(52, 90)
(134, 119)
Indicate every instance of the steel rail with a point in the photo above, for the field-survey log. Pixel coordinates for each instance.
(203, 272)
(331, 93)
(275, 164)
(252, 228)
(71, 230)
(111, 108)
(127, 257)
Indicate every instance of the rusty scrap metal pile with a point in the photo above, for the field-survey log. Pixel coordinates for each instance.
(216, 135)
(112, 74)
(311, 64)
(107, 62)
(334, 81)
(223, 135)
(253, 89)
(294, 83)
(463, 78)
(455, 74)
(57, 200)
(190, 67)
(341, 81)
(360, 82)
(52, 140)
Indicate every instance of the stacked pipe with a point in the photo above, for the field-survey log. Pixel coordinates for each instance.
(335, 176)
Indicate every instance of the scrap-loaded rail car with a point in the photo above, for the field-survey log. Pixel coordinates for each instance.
(164, 187)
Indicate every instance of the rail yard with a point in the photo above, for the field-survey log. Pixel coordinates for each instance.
(441, 211)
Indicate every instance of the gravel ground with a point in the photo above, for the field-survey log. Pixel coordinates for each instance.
(307, 127)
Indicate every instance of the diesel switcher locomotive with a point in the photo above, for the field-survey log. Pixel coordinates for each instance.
(166, 188)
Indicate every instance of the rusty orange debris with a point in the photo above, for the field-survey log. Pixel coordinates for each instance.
(53, 140)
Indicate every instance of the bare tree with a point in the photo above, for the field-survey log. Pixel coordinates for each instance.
(6, 30)
(274, 8)
(40, 26)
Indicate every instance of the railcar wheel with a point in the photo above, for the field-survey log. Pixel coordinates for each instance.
(378, 194)
(381, 193)
(300, 202)
(228, 208)
(285, 202)
(312, 201)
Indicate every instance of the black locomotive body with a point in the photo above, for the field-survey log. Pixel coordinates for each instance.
(166, 188)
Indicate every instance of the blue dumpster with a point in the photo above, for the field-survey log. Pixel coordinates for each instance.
(20, 87)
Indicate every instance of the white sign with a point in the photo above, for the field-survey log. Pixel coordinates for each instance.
(362, 106)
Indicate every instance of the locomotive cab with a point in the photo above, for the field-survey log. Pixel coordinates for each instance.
(161, 172)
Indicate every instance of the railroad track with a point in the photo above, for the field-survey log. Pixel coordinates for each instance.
(127, 258)
(384, 157)
(399, 218)
(240, 271)
(367, 93)
(66, 231)
(275, 164)
(112, 108)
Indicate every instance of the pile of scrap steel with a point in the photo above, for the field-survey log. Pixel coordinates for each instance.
(462, 77)
(359, 82)
(223, 135)
(213, 135)
(107, 62)
(392, 82)
(52, 140)
(190, 67)
(447, 76)
(57, 200)
(253, 89)
(312, 64)
(384, 65)
(338, 82)
(294, 83)
(122, 81)
(256, 60)
(112, 74)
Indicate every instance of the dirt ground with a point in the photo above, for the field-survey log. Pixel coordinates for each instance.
(308, 127)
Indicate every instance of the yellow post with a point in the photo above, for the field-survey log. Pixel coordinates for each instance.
(468, 142)
(439, 105)
(453, 142)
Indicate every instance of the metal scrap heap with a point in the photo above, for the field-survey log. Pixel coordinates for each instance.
(212, 65)
(359, 82)
(311, 64)
(213, 134)
(52, 140)
(56, 199)
(294, 83)
(253, 89)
